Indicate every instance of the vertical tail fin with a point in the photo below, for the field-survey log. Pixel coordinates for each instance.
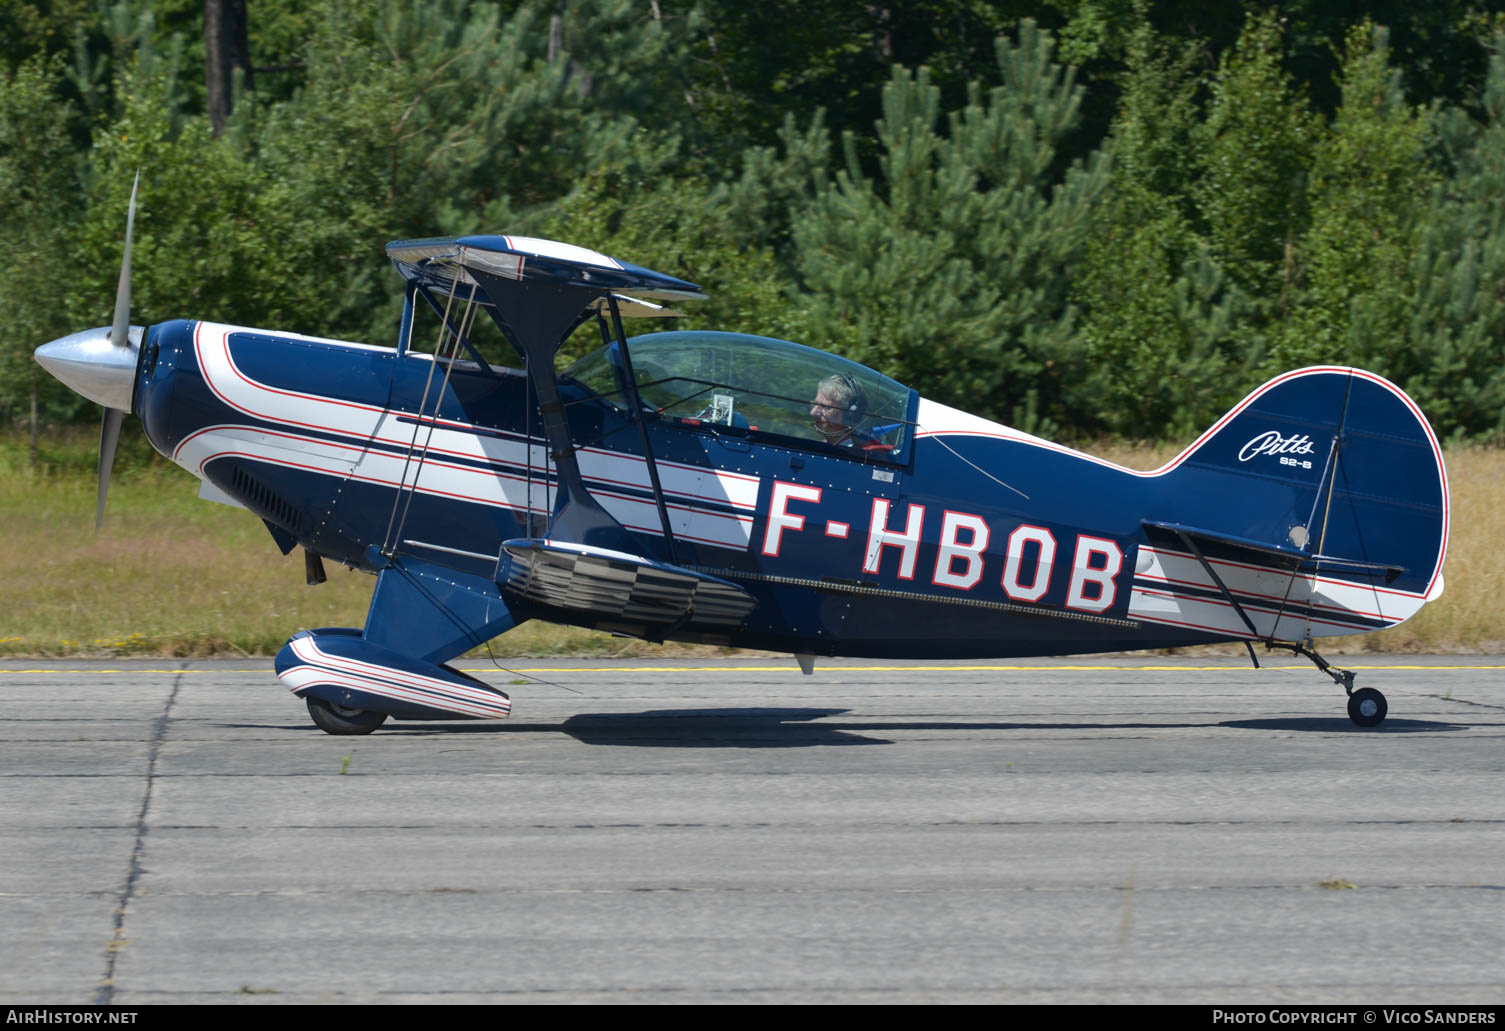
(1321, 498)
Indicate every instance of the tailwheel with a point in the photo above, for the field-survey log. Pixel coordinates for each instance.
(1367, 707)
(341, 719)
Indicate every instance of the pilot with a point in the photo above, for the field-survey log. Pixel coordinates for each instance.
(837, 409)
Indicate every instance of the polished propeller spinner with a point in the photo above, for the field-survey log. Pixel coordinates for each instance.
(101, 363)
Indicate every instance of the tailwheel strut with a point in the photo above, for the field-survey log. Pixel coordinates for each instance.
(1366, 706)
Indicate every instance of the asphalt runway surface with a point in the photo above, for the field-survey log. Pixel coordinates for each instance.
(1091, 830)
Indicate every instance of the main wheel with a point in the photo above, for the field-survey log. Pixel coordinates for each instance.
(340, 719)
(1367, 707)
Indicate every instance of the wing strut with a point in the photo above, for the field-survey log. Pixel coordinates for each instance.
(539, 317)
(636, 404)
(403, 499)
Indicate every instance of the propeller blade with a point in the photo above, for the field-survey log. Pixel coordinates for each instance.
(120, 328)
(120, 337)
(109, 436)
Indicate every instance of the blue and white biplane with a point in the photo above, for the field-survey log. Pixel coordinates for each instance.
(739, 490)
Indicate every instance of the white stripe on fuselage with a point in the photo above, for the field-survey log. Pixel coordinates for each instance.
(503, 482)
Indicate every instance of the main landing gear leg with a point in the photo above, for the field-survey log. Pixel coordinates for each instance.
(1366, 706)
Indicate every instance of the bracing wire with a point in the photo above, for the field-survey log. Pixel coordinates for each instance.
(519, 673)
(939, 440)
(467, 318)
(388, 539)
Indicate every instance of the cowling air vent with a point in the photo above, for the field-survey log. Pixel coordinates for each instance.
(264, 501)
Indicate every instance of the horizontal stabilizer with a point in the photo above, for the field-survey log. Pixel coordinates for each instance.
(621, 587)
(1280, 556)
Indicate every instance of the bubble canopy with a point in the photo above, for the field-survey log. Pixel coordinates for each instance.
(756, 385)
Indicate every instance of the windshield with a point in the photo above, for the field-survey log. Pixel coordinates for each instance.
(760, 385)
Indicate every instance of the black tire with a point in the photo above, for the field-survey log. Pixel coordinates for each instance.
(1367, 707)
(337, 719)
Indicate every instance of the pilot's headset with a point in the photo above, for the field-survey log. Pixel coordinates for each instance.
(857, 407)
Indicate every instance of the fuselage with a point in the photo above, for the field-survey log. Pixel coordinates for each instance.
(975, 540)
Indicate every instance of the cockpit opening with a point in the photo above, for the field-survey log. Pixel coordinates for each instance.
(757, 385)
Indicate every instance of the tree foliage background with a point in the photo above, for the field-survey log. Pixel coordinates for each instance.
(1077, 216)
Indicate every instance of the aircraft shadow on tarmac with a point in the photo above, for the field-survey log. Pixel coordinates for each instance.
(796, 728)
(690, 728)
(720, 728)
(1341, 725)
(759, 728)
(805, 728)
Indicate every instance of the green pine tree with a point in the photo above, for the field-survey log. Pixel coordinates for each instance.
(948, 268)
(1255, 149)
(1163, 354)
(1451, 358)
(1370, 183)
(39, 178)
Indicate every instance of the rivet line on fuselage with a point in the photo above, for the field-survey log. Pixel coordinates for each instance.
(830, 587)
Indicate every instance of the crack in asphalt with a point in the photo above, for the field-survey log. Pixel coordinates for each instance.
(106, 993)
